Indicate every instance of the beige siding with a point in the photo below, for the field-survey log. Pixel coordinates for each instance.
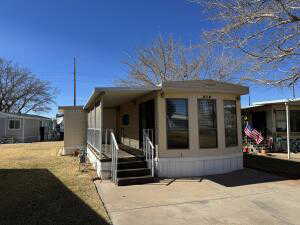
(110, 118)
(75, 128)
(194, 150)
(31, 130)
(131, 131)
(98, 111)
(94, 116)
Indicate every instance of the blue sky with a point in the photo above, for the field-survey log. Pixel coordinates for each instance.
(45, 36)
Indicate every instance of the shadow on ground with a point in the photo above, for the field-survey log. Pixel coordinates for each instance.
(244, 177)
(36, 196)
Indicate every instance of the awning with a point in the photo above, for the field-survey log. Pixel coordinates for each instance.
(115, 96)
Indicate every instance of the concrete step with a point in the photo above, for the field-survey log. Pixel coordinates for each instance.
(135, 180)
(131, 159)
(133, 172)
(132, 165)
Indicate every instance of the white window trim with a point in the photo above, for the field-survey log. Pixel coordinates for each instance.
(13, 128)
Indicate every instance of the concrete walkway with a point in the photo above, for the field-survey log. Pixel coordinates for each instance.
(242, 197)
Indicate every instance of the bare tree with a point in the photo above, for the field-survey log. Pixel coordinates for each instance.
(168, 60)
(267, 31)
(21, 91)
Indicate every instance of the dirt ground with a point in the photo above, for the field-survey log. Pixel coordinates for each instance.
(39, 187)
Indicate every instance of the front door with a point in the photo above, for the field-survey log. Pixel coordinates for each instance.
(146, 120)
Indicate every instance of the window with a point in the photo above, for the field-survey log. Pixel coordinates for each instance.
(295, 121)
(177, 123)
(230, 120)
(14, 124)
(125, 120)
(280, 116)
(207, 120)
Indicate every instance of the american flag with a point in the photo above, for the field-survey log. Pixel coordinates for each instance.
(253, 134)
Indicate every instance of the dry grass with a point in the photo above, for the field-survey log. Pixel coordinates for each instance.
(39, 187)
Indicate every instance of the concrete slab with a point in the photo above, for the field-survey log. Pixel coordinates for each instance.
(242, 197)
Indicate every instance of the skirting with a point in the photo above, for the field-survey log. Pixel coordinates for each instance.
(194, 167)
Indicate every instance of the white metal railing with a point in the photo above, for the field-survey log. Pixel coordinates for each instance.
(114, 157)
(119, 134)
(148, 150)
(94, 138)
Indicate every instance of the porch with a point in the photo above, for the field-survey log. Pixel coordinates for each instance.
(279, 122)
(120, 135)
(123, 164)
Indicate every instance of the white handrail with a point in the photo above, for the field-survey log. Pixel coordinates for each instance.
(148, 150)
(114, 157)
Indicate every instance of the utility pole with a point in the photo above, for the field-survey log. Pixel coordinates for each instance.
(294, 94)
(249, 100)
(74, 81)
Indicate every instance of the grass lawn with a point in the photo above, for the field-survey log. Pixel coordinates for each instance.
(39, 187)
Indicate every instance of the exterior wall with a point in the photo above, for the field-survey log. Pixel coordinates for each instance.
(131, 131)
(194, 150)
(110, 118)
(2, 127)
(75, 129)
(31, 130)
(198, 166)
(94, 116)
(16, 134)
(103, 169)
(195, 161)
(269, 120)
(270, 115)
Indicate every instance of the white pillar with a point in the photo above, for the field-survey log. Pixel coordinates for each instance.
(288, 129)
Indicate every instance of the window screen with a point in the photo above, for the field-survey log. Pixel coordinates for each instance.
(295, 121)
(280, 116)
(14, 124)
(230, 120)
(207, 120)
(280, 120)
(177, 123)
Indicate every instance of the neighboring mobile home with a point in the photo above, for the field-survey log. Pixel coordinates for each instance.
(184, 128)
(24, 127)
(270, 118)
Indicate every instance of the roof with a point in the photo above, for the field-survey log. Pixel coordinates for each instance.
(295, 101)
(116, 95)
(62, 108)
(24, 115)
(208, 86)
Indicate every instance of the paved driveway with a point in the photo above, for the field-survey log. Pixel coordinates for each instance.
(242, 197)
